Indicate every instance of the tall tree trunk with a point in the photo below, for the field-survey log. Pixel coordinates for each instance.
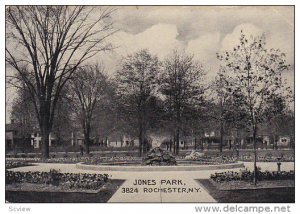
(177, 141)
(140, 139)
(45, 143)
(106, 141)
(274, 142)
(140, 147)
(255, 156)
(87, 129)
(291, 142)
(142, 131)
(45, 128)
(145, 141)
(195, 145)
(87, 142)
(221, 137)
(174, 145)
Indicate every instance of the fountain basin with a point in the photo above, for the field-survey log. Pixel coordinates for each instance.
(134, 167)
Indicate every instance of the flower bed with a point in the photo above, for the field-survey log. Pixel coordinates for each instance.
(267, 158)
(204, 158)
(50, 160)
(15, 164)
(22, 159)
(247, 155)
(89, 160)
(69, 153)
(281, 191)
(54, 177)
(267, 155)
(115, 159)
(247, 175)
(215, 160)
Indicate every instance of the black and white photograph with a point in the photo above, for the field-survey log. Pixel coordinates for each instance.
(149, 104)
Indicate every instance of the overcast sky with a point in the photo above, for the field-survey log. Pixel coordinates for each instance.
(202, 31)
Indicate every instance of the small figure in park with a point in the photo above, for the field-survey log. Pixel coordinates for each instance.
(81, 150)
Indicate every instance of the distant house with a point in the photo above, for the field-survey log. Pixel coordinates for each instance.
(113, 141)
(20, 137)
(158, 139)
(121, 141)
(77, 139)
(266, 139)
(36, 140)
(211, 139)
(185, 142)
(17, 136)
(243, 139)
(284, 141)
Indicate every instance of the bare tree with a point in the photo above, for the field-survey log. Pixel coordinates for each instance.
(181, 85)
(277, 114)
(63, 122)
(106, 114)
(88, 88)
(46, 44)
(22, 114)
(136, 87)
(223, 106)
(254, 78)
(222, 109)
(22, 110)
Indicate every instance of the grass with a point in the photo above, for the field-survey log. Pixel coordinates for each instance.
(260, 195)
(31, 196)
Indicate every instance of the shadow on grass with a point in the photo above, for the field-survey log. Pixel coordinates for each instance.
(269, 195)
(63, 197)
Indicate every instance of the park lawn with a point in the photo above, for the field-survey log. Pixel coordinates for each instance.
(46, 194)
(263, 194)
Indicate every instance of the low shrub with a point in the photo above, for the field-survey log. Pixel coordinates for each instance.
(23, 155)
(247, 175)
(90, 160)
(54, 177)
(66, 155)
(15, 164)
(268, 158)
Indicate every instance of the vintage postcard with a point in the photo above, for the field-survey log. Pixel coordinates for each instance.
(149, 104)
